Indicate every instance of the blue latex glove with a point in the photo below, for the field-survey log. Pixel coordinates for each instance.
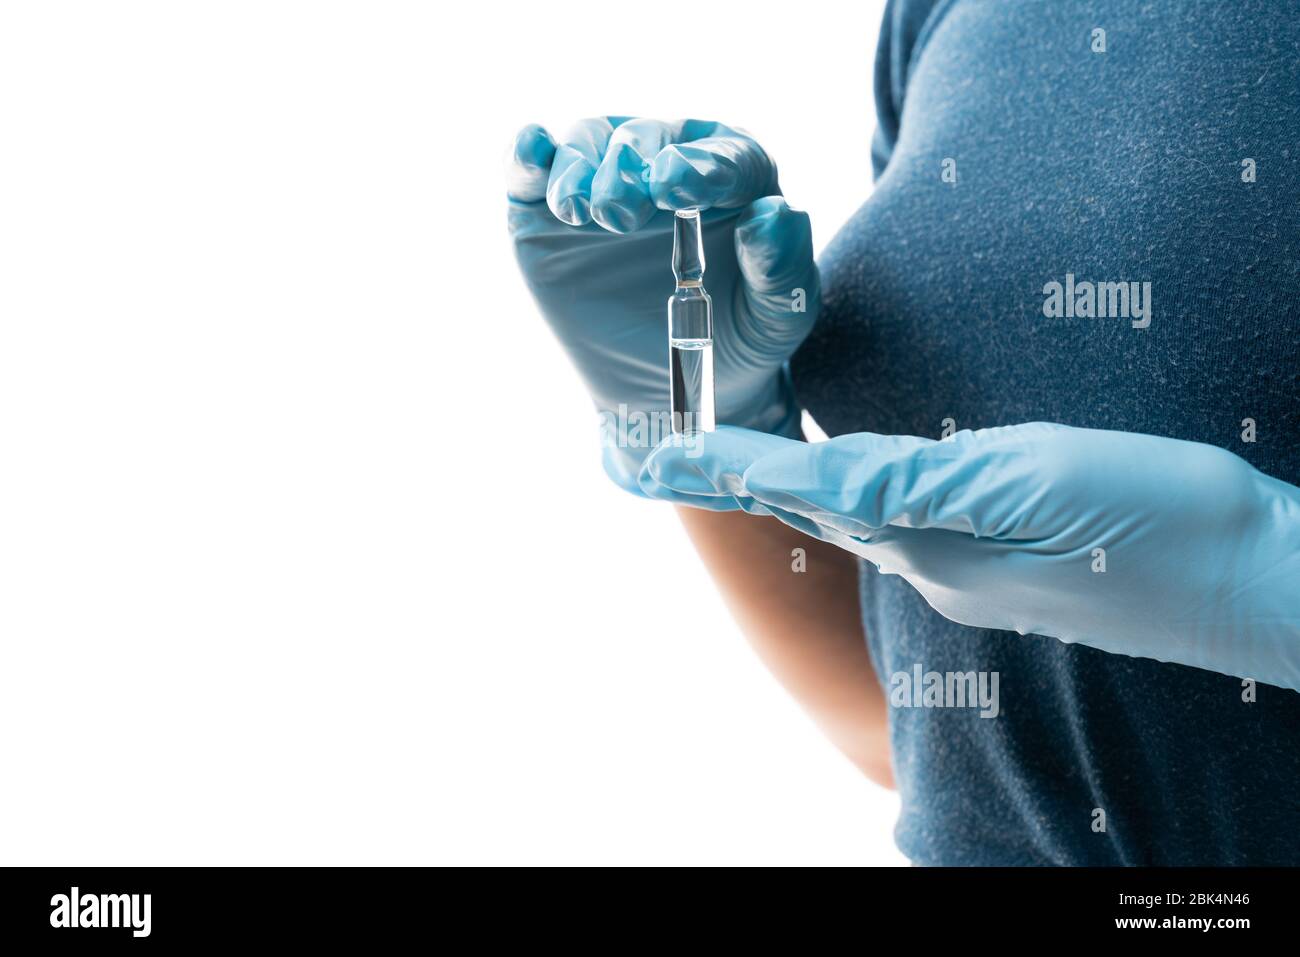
(1000, 529)
(591, 233)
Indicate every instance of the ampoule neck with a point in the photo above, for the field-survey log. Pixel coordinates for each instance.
(688, 248)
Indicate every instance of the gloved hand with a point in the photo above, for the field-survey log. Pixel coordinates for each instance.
(591, 233)
(1137, 545)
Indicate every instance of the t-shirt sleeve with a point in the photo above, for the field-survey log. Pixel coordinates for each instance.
(906, 25)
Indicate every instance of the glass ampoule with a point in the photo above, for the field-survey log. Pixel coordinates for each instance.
(690, 330)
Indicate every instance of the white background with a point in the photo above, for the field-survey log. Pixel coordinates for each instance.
(305, 552)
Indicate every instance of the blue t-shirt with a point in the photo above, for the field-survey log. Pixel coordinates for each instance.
(1018, 146)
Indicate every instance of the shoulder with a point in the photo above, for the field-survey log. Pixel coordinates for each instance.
(906, 27)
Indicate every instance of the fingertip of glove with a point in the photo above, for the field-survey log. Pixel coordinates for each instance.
(528, 164)
(568, 194)
(620, 194)
(573, 209)
(682, 176)
(772, 215)
(666, 465)
(774, 248)
(533, 146)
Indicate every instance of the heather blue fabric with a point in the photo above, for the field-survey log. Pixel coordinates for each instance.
(1117, 166)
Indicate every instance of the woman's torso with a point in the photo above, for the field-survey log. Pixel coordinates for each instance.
(1076, 166)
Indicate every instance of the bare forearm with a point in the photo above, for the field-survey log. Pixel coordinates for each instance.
(804, 624)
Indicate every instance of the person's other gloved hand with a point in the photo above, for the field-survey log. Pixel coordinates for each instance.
(592, 228)
(1137, 545)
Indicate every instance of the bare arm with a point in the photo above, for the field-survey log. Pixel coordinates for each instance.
(806, 626)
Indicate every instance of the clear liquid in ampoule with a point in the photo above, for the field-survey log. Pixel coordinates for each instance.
(691, 362)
